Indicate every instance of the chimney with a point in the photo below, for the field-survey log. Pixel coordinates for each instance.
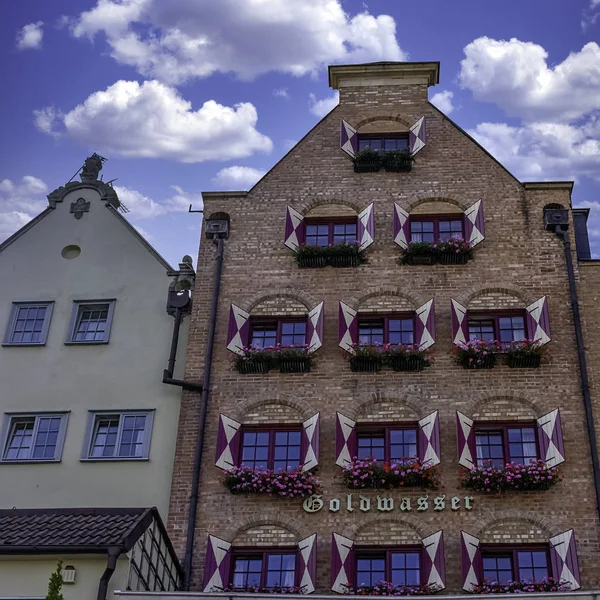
(582, 241)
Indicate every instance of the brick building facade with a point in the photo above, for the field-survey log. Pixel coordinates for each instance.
(518, 270)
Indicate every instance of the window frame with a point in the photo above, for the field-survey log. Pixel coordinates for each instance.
(366, 428)
(513, 550)
(505, 426)
(263, 552)
(7, 425)
(387, 317)
(495, 316)
(384, 136)
(254, 321)
(77, 304)
(271, 429)
(330, 222)
(389, 550)
(436, 218)
(12, 322)
(90, 428)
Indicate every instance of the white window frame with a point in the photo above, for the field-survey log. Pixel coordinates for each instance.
(7, 426)
(77, 307)
(90, 429)
(12, 322)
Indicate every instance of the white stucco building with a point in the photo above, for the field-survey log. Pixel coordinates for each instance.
(87, 426)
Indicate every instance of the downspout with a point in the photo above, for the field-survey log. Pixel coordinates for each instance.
(561, 232)
(218, 240)
(111, 565)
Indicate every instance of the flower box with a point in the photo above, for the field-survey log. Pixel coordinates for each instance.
(287, 484)
(453, 258)
(343, 261)
(399, 161)
(549, 584)
(524, 354)
(420, 259)
(289, 359)
(477, 354)
(402, 363)
(367, 166)
(294, 365)
(253, 367)
(453, 251)
(312, 262)
(524, 362)
(344, 254)
(254, 589)
(385, 588)
(481, 362)
(366, 364)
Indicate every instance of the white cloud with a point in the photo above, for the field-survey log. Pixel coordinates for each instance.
(515, 75)
(143, 207)
(20, 202)
(443, 100)
(281, 93)
(183, 39)
(321, 107)
(238, 177)
(152, 120)
(30, 36)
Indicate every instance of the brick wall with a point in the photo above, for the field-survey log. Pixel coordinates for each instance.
(516, 264)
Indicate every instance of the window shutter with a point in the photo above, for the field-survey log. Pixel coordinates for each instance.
(348, 327)
(434, 561)
(294, 229)
(310, 443)
(366, 227)
(314, 329)
(538, 323)
(417, 136)
(425, 325)
(228, 443)
(343, 563)
(460, 323)
(349, 139)
(217, 564)
(429, 439)
(238, 335)
(401, 226)
(307, 549)
(346, 443)
(472, 563)
(552, 447)
(474, 224)
(563, 554)
(467, 450)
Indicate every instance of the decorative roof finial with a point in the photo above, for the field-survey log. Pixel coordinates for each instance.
(91, 167)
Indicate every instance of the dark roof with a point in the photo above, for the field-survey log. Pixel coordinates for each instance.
(48, 530)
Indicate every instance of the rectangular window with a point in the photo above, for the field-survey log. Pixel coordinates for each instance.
(118, 435)
(516, 564)
(438, 228)
(286, 332)
(91, 321)
(264, 570)
(324, 232)
(387, 444)
(498, 445)
(276, 449)
(33, 438)
(395, 329)
(28, 324)
(503, 327)
(400, 567)
(383, 143)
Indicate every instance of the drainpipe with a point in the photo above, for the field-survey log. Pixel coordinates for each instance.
(111, 565)
(558, 220)
(217, 230)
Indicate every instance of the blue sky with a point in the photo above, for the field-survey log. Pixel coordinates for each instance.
(184, 96)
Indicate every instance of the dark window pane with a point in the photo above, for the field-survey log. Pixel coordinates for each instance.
(403, 444)
(287, 450)
(264, 336)
(512, 329)
(522, 445)
(405, 568)
(255, 449)
(371, 332)
(481, 329)
(372, 446)
(490, 448)
(497, 568)
(293, 333)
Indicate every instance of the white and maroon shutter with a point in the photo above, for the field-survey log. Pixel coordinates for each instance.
(474, 223)
(307, 550)
(429, 439)
(314, 329)
(434, 566)
(563, 555)
(348, 139)
(310, 443)
(538, 323)
(343, 563)
(366, 227)
(228, 443)
(425, 325)
(294, 229)
(472, 563)
(460, 323)
(401, 226)
(552, 447)
(217, 564)
(417, 136)
(346, 441)
(348, 327)
(467, 448)
(238, 334)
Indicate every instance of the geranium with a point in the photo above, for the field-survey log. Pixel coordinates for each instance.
(456, 249)
(523, 348)
(410, 472)
(476, 353)
(385, 588)
(344, 254)
(534, 476)
(252, 359)
(288, 484)
(549, 584)
(455, 245)
(390, 354)
(255, 589)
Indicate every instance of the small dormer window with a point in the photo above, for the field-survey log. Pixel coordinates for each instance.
(388, 142)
